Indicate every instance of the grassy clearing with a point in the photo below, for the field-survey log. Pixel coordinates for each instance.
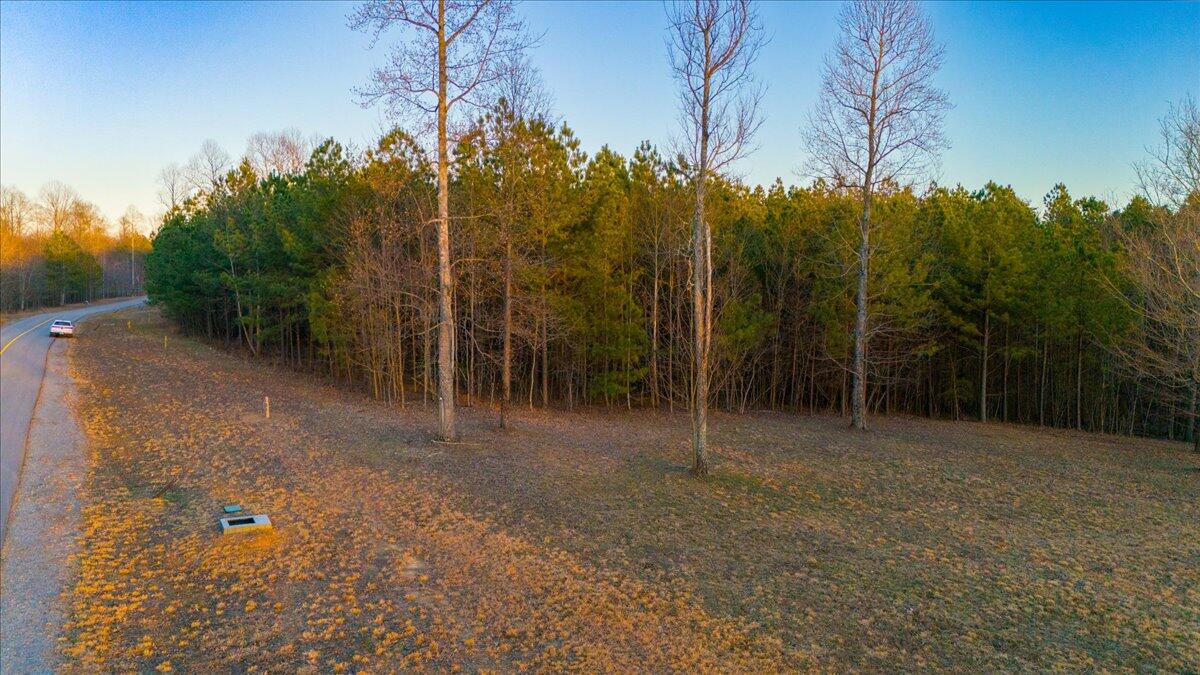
(578, 540)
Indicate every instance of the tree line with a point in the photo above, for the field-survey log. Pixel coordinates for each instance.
(658, 279)
(58, 248)
(572, 284)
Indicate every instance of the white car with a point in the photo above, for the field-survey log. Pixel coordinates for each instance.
(62, 328)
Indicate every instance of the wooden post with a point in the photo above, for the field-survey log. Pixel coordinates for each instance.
(267, 406)
(164, 342)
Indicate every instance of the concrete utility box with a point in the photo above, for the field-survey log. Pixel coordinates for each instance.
(245, 524)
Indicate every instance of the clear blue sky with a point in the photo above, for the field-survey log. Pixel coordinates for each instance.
(102, 96)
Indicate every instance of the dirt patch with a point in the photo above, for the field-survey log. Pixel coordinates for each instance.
(579, 541)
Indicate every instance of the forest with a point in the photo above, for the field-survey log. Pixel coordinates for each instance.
(485, 256)
(571, 273)
(58, 248)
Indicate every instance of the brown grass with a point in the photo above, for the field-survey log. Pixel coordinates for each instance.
(578, 541)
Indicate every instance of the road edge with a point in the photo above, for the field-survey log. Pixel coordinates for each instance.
(38, 555)
(12, 507)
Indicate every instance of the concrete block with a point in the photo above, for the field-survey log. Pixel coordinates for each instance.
(245, 524)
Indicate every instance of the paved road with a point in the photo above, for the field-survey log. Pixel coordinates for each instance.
(22, 365)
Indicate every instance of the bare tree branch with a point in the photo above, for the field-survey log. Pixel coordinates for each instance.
(451, 52)
(1172, 172)
(712, 45)
(878, 122)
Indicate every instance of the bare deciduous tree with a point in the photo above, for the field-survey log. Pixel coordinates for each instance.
(1172, 172)
(206, 168)
(878, 121)
(130, 225)
(16, 211)
(1164, 265)
(1163, 262)
(712, 45)
(282, 153)
(523, 89)
(58, 201)
(17, 216)
(453, 51)
(173, 186)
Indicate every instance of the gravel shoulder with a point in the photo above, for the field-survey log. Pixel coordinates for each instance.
(37, 559)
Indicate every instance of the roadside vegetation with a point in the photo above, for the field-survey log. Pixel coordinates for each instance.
(578, 540)
(57, 249)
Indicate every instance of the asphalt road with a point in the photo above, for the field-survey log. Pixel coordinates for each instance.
(25, 343)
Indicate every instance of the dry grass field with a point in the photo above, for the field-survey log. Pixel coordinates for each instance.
(578, 541)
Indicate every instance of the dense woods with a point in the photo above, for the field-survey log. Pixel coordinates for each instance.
(983, 306)
(57, 248)
(494, 260)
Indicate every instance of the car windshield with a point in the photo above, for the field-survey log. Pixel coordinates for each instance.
(62, 323)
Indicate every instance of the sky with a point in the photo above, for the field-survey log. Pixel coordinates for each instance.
(101, 96)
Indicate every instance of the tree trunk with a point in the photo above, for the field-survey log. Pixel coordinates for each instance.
(983, 368)
(1006, 368)
(533, 371)
(954, 385)
(1042, 383)
(545, 364)
(399, 352)
(701, 289)
(1079, 382)
(474, 338)
(1194, 427)
(859, 398)
(776, 365)
(426, 360)
(654, 395)
(506, 365)
(700, 337)
(446, 425)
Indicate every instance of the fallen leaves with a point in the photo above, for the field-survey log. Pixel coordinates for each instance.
(582, 545)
